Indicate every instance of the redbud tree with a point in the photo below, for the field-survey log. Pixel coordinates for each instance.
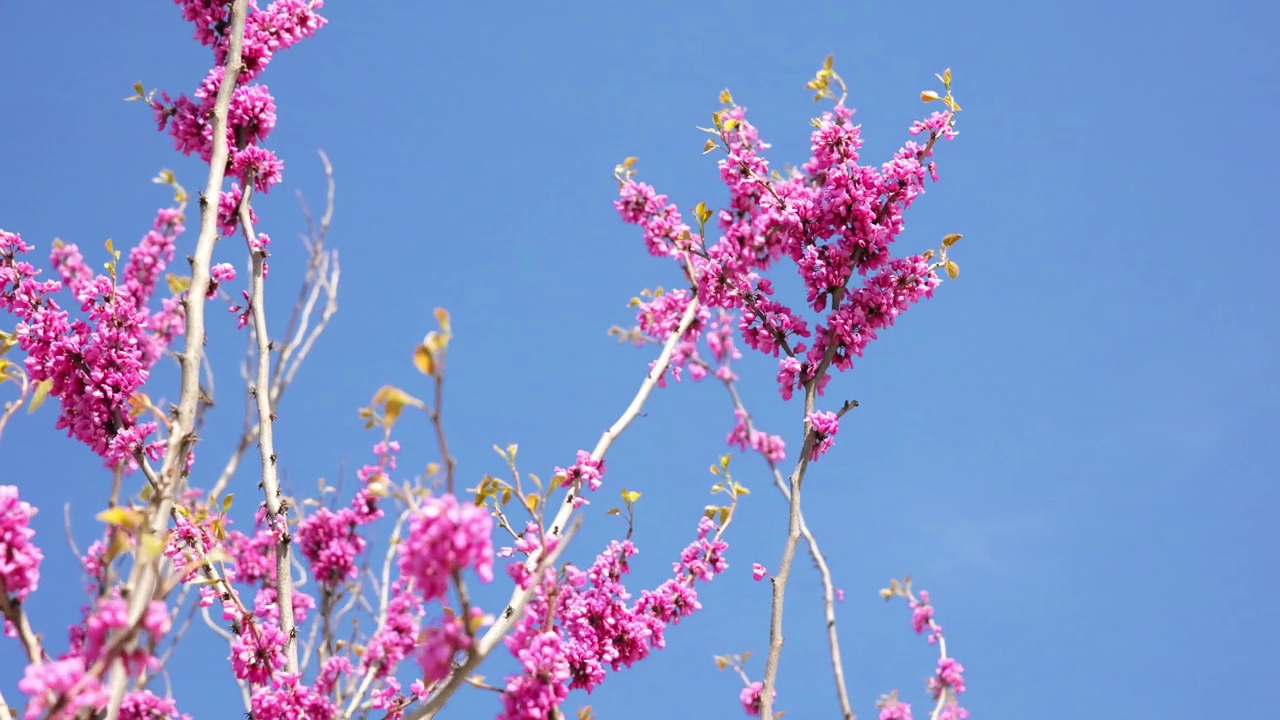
(283, 592)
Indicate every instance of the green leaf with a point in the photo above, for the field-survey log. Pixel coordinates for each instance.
(953, 270)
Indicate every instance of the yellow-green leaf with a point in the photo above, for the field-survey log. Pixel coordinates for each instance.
(725, 97)
(715, 470)
(226, 502)
(953, 270)
(41, 393)
(423, 360)
(721, 662)
(629, 161)
(177, 284)
(393, 400)
(711, 145)
(630, 496)
(122, 516)
(717, 487)
(442, 317)
(952, 239)
(730, 124)
(740, 490)
(531, 502)
(929, 96)
(724, 515)
(724, 461)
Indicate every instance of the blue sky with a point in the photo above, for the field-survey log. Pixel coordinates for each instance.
(1068, 447)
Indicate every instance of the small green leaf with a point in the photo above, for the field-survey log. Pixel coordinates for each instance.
(725, 97)
(953, 270)
(718, 487)
(630, 496)
(226, 502)
(711, 145)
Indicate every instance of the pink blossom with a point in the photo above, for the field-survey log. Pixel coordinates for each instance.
(444, 536)
(288, 699)
(19, 557)
(758, 572)
(750, 698)
(824, 426)
(587, 469)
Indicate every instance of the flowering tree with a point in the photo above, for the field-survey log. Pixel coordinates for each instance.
(291, 585)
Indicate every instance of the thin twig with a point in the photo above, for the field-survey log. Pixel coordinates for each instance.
(277, 511)
(519, 597)
(828, 589)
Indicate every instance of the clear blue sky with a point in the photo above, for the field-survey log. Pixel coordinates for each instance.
(1068, 446)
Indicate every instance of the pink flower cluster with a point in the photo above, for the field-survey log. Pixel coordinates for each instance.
(19, 557)
(252, 113)
(772, 447)
(587, 470)
(95, 365)
(947, 683)
(329, 540)
(444, 536)
(572, 630)
(750, 698)
(824, 426)
(834, 219)
(398, 635)
(67, 683)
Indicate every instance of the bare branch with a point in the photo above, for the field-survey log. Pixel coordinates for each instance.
(143, 576)
(828, 589)
(277, 511)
